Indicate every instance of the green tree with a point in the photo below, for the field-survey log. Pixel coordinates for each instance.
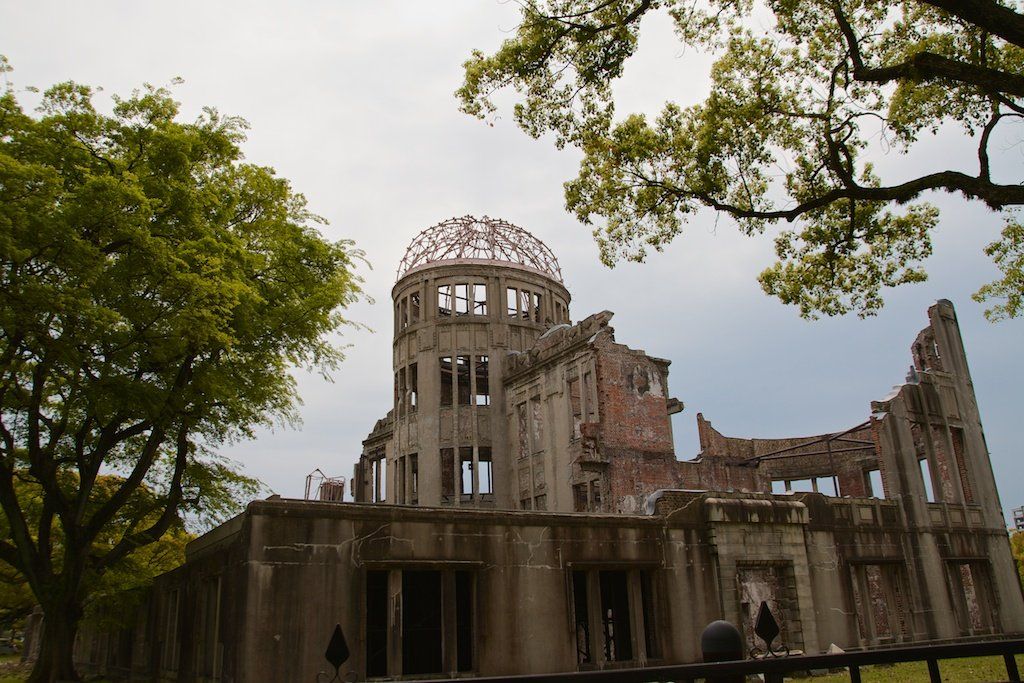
(115, 594)
(1017, 548)
(799, 92)
(16, 601)
(154, 293)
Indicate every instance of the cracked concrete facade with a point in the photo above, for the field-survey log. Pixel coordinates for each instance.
(522, 510)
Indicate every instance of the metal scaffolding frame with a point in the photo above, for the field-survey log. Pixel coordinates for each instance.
(490, 239)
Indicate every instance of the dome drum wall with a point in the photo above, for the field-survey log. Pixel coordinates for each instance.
(455, 321)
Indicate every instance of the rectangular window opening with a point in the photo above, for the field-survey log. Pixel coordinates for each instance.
(398, 395)
(461, 299)
(446, 381)
(421, 622)
(926, 477)
(484, 460)
(427, 614)
(210, 637)
(444, 300)
(400, 480)
(875, 488)
(376, 623)
(648, 601)
(582, 617)
(579, 497)
(977, 610)
(511, 302)
(536, 308)
(575, 406)
(483, 387)
(524, 304)
(957, 436)
(537, 423)
(466, 472)
(403, 314)
(414, 478)
(827, 486)
(377, 479)
(382, 479)
(618, 643)
(170, 658)
(590, 396)
(801, 485)
(402, 388)
(479, 299)
(414, 385)
(414, 307)
(462, 369)
(447, 475)
(464, 621)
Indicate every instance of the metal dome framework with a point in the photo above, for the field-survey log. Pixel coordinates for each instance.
(488, 239)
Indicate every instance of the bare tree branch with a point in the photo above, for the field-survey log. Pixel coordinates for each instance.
(992, 194)
(145, 461)
(170, 512)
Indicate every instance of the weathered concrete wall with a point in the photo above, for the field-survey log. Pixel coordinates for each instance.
(435, 329)
(303, 567)
(844, 571)
(931, 426)
(307, 568)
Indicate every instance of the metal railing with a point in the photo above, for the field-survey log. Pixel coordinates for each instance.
(774, 669)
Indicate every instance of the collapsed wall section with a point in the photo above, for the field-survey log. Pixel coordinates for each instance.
(935, 463)
(837, 464)
(589, 421)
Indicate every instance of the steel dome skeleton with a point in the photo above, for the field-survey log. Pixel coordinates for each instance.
(484, 238)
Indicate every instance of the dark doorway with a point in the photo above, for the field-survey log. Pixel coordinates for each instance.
(421, 622)
(618, 641)
(464, 620)
(376, 623)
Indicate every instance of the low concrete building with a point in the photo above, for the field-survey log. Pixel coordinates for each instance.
(521, 510)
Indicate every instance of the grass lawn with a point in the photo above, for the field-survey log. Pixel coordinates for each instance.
(966, 670)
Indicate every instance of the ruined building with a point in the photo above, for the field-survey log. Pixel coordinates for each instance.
(521, 509)
(499, 401)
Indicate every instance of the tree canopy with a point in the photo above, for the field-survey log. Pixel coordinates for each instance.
(802, 94)
(155, 291)
(114, 595)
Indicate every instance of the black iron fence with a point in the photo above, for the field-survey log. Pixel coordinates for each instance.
(775, 668)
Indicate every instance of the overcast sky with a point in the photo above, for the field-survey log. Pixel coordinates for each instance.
(353, 102)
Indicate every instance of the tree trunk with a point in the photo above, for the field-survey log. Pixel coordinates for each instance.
(60, 626)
